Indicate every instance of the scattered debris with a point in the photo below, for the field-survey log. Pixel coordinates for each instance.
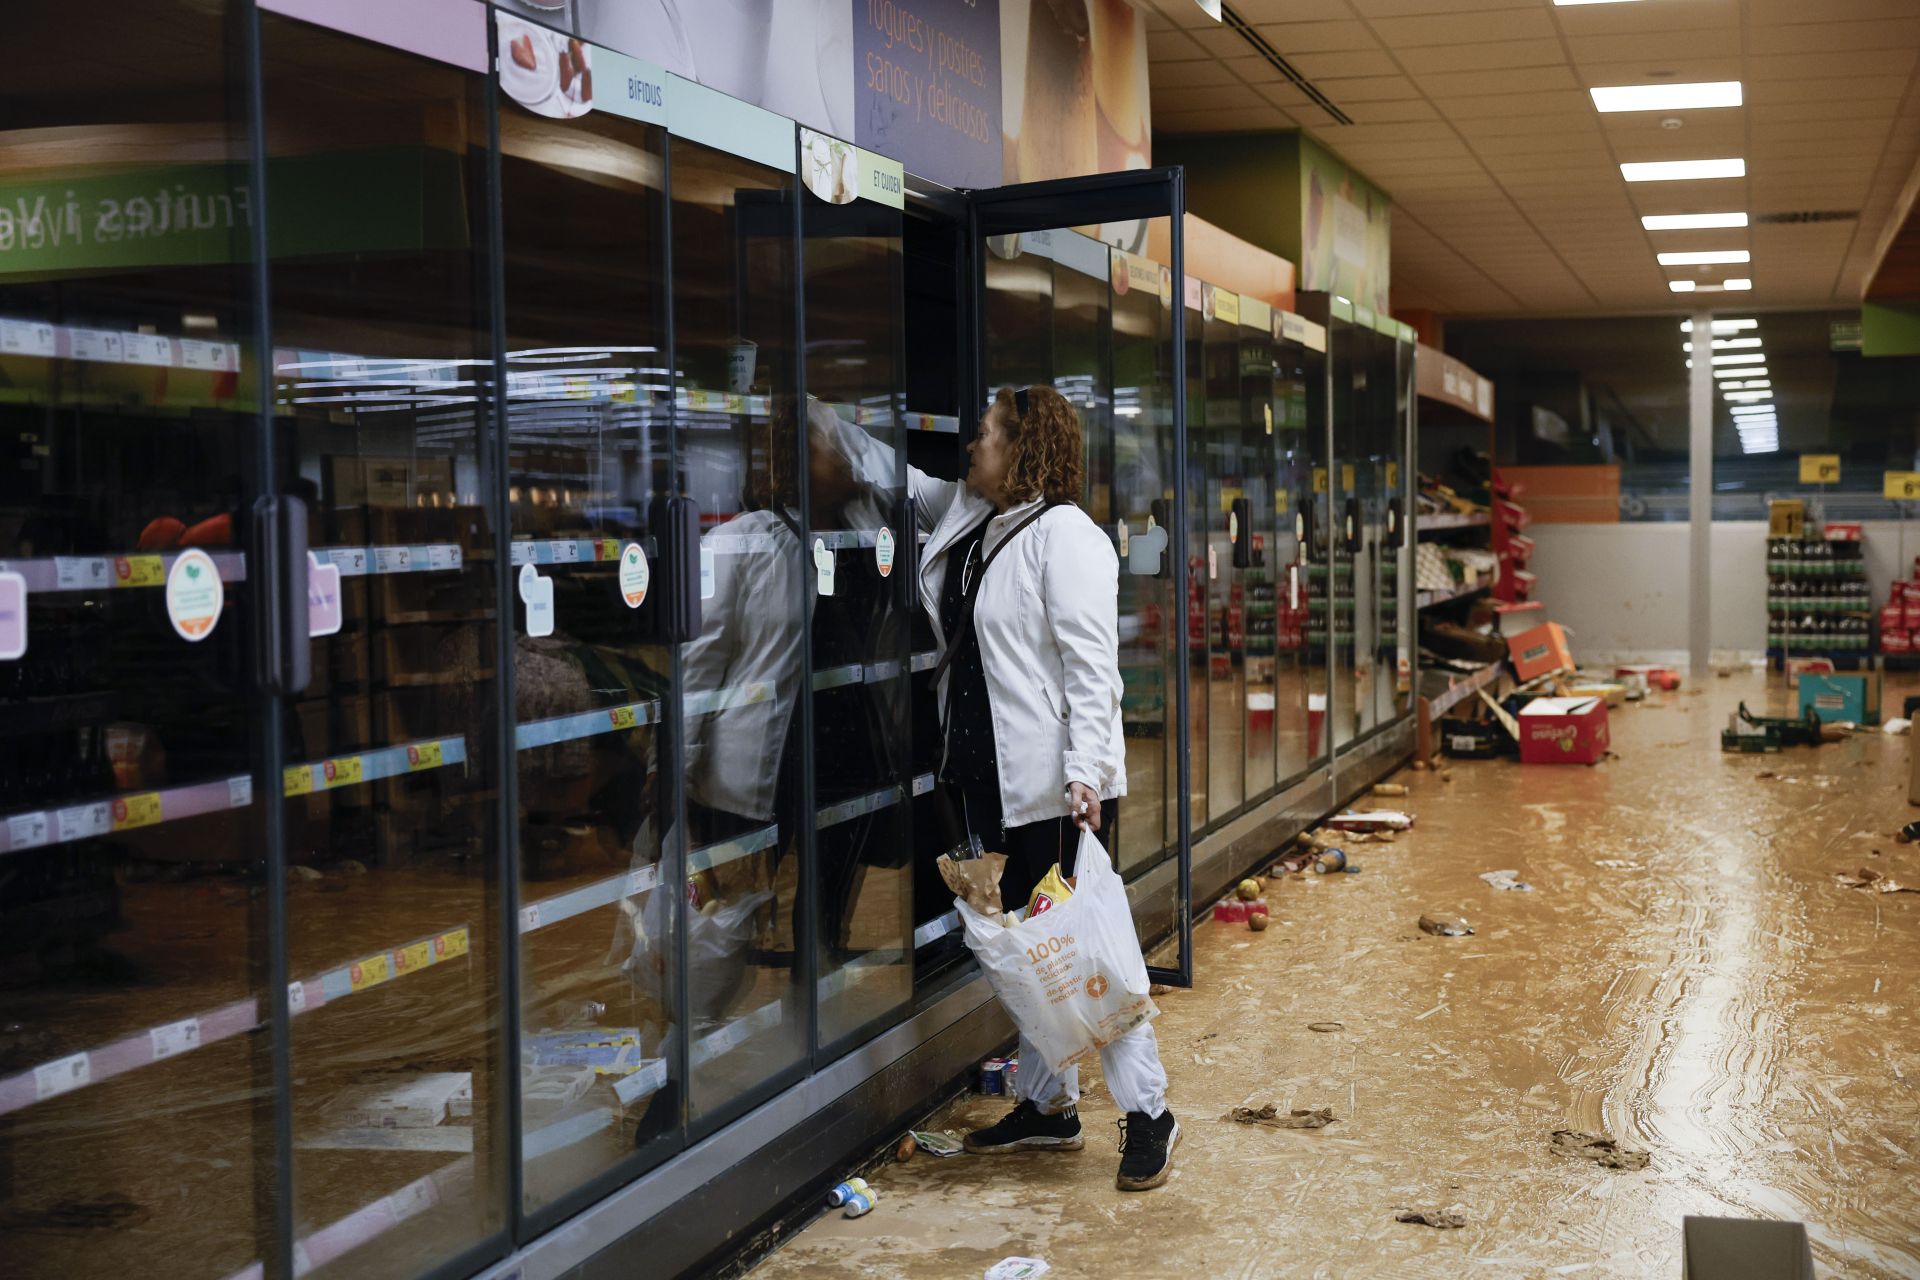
(1896, 727)
(1257, 920)
(1617, 864)
(1248, 890)
(904, 1151)
(1375, 820)
(1269, 1115)
(860, 1203)
(1506, 880)
(1765, 774)
(936, 1144)
(1878, 881)
(1604, 1152)
(845, 1192)
(1909, 833)
(1330, 861)
(1326, 1026)
(1445, 926)
(299, 871)
(1017, 1269)
(1390, 789)
(1452, 1216)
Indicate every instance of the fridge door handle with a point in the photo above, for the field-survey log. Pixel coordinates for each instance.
(283, 654)
(907, 557)
(1240, 528)
(1396, 537)
(672, 615)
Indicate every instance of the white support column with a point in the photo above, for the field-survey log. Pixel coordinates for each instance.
(1700, 502)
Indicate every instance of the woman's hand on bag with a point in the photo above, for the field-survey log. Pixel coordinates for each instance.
(1084, 804)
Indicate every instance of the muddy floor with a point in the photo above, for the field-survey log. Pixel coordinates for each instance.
(1687, 976)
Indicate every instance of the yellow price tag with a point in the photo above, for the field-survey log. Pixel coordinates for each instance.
(1319, 479)
(343, 771)
(424, 755)
(449, 945)
(1267, 409)
(1393, 475)
(1348, 481)
(139, 571)
(1280, 501)
(299, 780)
(370, 972)
(142, 810)
(417, 956)
(1819, 468)
(622, 717)
(1902, 486)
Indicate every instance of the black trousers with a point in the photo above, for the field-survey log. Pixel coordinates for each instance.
(1033, 848)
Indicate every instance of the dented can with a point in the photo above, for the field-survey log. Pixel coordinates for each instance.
(860, 1203)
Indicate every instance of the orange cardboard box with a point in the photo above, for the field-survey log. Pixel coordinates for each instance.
(1538, 650)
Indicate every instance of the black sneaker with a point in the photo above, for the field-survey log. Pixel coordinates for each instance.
(1028, 1128)
(1146, 1150)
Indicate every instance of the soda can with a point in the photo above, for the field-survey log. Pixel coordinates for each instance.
(1330, 861)
(859, 1203)
(1011, 1073)
(993, 1078)
(846, 1191)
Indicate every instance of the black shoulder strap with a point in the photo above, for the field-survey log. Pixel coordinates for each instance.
(964, 626)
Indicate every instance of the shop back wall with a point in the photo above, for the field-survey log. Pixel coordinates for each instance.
(969, 93)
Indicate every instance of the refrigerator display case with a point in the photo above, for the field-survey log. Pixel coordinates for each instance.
(466, 757)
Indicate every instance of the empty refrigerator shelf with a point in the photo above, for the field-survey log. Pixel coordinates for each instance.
(566, 551)
(171, 1039)
(870, 672)
(584, 724)
(936, 929)
(136, 809)
(48, 574)
(1441, 520)
(116, 346)
(371, 1220)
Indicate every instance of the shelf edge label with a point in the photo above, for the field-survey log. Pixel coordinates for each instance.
(13, 617)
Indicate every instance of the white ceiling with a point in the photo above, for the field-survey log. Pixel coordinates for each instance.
(1474, 116)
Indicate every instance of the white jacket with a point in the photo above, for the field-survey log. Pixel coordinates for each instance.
(1048, 621)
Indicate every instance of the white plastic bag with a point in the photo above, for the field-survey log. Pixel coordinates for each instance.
(1072, 978)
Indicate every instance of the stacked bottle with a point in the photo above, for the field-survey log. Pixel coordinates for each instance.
(1817, 597)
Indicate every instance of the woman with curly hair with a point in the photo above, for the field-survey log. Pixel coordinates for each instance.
(1022, 587)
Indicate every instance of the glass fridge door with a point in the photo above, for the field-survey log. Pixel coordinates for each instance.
(1362, 505)
(1137, 499)
(1253, 535)
(1300, 585)
(1220, 466)
(136, 1121)
(1393, 684)
(1339, 480)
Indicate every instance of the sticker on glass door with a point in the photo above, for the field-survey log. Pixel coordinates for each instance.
(537, 593)
(195, 595)
(634, 575)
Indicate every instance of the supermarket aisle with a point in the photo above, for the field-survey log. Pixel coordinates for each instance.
(1687, 977)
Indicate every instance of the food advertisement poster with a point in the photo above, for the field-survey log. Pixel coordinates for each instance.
(968, 93)
(1346, 225)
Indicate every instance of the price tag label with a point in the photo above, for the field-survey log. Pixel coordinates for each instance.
(27, 830)
(530, 918)
(370, 972)
(423, 755)
(175, 1038)
(411, 1200)
(1348, 480)
(449, 945)
(296, 997)
(1393, 475)
(142, 810)
(417, 956)
(639, 880)
(299, 780)
(352, 560)
(148, 348)
(1319, 479)
(101, 345)
(83, 822)
(622, 717)
(27, 338)
(138, 571)
(344, 771)
(567, 552)
(1819, 468)
(239, 792)
(63, 1075)
(443, 557)
(80, 573)
(392, 559)
(1902, 486)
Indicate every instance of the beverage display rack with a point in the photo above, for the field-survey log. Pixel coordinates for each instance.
(1819, 603)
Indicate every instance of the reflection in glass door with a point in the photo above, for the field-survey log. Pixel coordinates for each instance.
(863, 784)
(1396, 563)
(1220, 466)
(738, 425)
(134, 1061)
(588, 409)
(382, 367)
(1300, 678)
(1337, 481)
(1358, 453)
(1253, 532)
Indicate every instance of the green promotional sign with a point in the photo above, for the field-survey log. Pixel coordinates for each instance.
(384, 199)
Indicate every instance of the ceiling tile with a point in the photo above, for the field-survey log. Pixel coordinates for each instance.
(1578, 121)
(1643, 71)
(1520, 108)
(1833, 89)
(1313, 37)
(1209, 97)
(1766, 114)
(1343, 90)
(1772, 12)
(1221, 42)
(1284, 94)
(1263, 11)
(1822, 37)
(1483, 57)
(1185, 75)
(1413, 8)
(1627, 19)
(1658, 48)
(1466, 28)
(1347, 62)
(1852, 62)
(1391, 112)
(1165, 46)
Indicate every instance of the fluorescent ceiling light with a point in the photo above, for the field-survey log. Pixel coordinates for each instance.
(1722, 344)
(1704, 257)
(1736, 285)
(1667, 97)
(1692, 221)
(1754, 411)
(1682, 286)
(1752, 385)
(1749, 395)
(1743, 371)
(1682, 170)
(1723, 326)
(1569, 2)
(1744, 357)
